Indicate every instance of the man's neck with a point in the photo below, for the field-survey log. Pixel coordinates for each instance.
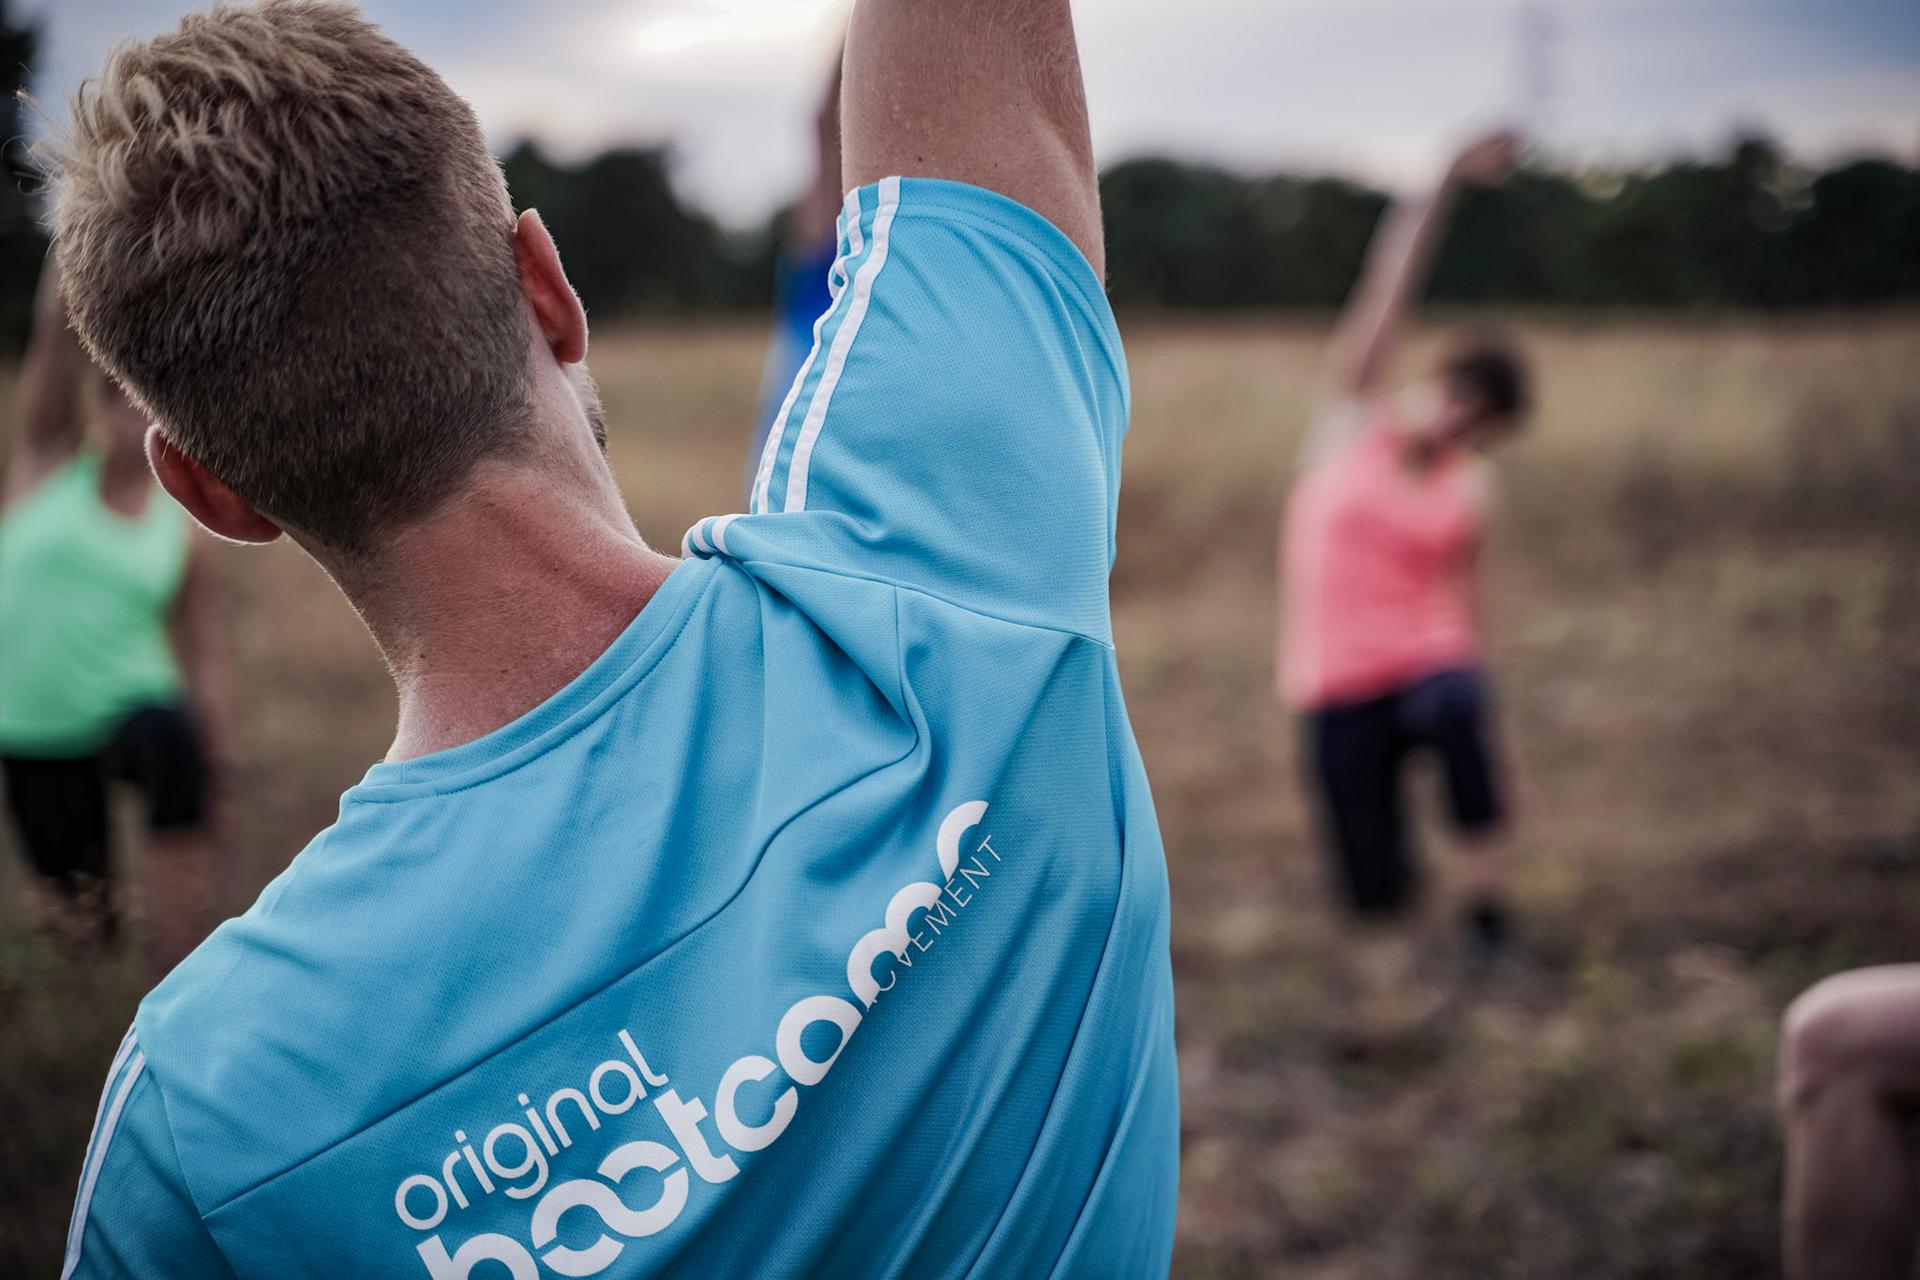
(486, 610)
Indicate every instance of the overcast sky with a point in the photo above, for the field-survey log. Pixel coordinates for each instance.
(1368, 87)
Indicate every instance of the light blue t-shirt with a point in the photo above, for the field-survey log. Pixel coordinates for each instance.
(819, 928)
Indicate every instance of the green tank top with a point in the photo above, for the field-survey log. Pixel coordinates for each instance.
(84, 597)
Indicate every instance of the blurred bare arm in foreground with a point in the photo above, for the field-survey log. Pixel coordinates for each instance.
(1360, 353)
(1010, 115)
(1850, 1088)
(52, 398)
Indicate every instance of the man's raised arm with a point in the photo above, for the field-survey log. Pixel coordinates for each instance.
(980, 91)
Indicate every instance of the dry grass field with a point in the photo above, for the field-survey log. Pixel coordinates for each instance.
(1708, 654)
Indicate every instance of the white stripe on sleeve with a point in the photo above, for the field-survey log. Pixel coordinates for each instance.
(120, 1057)
(770, 452)
(719, 531)
(119, 1060)
(851, 208)
(842, 345)
(707, 535)
(97, 1156)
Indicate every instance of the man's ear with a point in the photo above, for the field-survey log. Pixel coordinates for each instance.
(205, 498)
(563, 322)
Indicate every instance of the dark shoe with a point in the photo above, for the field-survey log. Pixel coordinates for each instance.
(1489, 940)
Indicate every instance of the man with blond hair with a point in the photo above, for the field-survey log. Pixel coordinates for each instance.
(793, 908)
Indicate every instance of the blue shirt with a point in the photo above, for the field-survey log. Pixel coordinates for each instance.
(819, 927)
(802, 292)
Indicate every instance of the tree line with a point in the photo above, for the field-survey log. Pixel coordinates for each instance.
(1748, 229)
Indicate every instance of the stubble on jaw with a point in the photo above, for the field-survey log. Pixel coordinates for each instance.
(588, 392)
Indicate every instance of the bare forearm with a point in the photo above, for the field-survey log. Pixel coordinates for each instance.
(1397, 274)
(811, 221)
(1397, 267)
(50, 415)
(51, 421)
(980, 91)
(1394, 275)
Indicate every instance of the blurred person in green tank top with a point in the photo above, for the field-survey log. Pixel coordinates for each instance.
(109, 666)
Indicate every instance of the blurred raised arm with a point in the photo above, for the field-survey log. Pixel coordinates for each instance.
(1360, 353)
(51, 393)
(980, 91)
(810, 223)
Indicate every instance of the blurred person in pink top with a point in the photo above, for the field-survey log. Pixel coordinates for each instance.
(1380, 639)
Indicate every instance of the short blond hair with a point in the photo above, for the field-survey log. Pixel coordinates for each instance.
(286, 236)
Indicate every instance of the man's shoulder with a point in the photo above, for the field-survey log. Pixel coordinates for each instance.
(187, 1043)
(244, 1039)
(192, 994)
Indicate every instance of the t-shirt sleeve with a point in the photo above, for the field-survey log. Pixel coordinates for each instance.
(133, 1216)
(957, 426)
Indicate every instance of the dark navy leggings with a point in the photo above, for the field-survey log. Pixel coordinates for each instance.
(1357, 755)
